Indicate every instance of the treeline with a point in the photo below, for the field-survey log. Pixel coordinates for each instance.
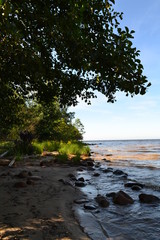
(43, 122)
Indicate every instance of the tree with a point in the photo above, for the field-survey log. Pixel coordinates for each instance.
(79, 125)
(66, 49)
(45, 122)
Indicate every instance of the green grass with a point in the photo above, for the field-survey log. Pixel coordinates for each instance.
(65, 149)
(75, 148)
(49, 146)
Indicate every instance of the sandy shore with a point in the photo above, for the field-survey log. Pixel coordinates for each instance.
(34, 204)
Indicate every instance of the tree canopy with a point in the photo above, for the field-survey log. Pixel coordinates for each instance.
(66, 49)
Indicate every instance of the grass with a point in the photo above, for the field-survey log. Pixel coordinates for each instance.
(65, 149)
(75, 148)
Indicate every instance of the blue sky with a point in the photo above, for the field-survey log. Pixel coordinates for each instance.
(138, 117)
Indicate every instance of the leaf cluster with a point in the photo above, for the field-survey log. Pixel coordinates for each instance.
(66, 49)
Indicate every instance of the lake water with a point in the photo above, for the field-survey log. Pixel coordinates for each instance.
(140, 159)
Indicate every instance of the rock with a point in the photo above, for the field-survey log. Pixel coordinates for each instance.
(80, 201)
(80, 184)
(122, 198)
(136, 188)
(90, 163)
(45, 163)
(72, 176)
(90, 207)
(20, 185)
(107, 170)
(105, 160)
(131, 184)
(97, 165)
(30, 182)
(66, 182)
(102, 201)
(112, 194)
(119, 172)
(80, 169)
(23, 174)
(81, 179)
(148, 198)
(90, 169)
(96, 174)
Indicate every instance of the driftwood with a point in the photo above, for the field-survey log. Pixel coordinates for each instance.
(3, 154)
(11, 163)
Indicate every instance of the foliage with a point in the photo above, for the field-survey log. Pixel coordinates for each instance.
(5, 146)
(45, 122)
(56, 124)
(66, 49)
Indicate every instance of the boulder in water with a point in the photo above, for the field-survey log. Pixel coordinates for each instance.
(118, 172)
(131, 184)
(122, 198)
(102, 201)
(148, 198)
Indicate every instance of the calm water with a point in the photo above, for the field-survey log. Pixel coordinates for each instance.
(140, 159)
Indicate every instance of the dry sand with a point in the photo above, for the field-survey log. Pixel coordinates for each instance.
(40, 209)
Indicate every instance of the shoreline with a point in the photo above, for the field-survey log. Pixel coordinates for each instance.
(36, 203)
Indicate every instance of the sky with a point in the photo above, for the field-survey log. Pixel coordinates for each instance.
(137, 117)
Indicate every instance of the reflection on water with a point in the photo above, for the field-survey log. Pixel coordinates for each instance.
(141, 161)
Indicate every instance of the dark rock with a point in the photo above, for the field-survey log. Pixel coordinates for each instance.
(122, 198)
(66, 182)
(147, 198)
(79, 184)
(90, 169)
(81, 179)
(112, 194)
(102, 201)
(80, 169)
(131, 184)
(104, 159)
(90, 163)
(61, 180)
(136, 188)
(84, 163)
(29, 174)
(107, 170)
(20, 185)
(71, 175)
(80, 201)
(118, 172)
(45, 163)
(97, 165)
(96, 174)
(90, 207)
(23, 174)
(30, 182)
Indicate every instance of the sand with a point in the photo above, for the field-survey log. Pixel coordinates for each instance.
(36, 205)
